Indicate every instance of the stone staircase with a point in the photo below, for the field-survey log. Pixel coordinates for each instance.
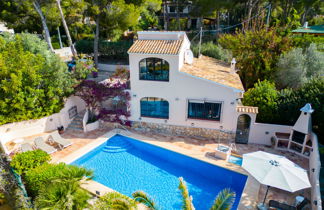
(76, 123)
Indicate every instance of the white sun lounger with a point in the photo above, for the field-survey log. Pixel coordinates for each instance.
(26, 147)
(56, 137)
(40, 144)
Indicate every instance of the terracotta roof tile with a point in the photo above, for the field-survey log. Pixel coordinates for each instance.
(169, 47)
(213, 70)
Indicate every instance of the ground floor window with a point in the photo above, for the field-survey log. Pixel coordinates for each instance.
(154, 107)
(204, 110)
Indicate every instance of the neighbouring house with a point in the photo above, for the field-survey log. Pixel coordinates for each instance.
(172, 90)
(317, 30)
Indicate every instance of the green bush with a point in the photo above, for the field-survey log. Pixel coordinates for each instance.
(23, 162)
(298, 66)
(212, 50)
(264, 96)
(304, 41)
(37, 177)
(34, 81)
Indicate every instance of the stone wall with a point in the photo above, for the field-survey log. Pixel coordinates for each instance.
(182, 130)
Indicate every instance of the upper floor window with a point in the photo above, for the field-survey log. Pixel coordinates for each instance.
(154, 107)
(204, 110)
(154, 69)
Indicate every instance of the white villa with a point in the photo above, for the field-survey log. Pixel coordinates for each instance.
(170, 87)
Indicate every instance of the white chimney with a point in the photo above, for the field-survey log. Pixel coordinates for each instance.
(305, 25)
(233, 62)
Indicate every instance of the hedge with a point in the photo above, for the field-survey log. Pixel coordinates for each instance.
(112, 49)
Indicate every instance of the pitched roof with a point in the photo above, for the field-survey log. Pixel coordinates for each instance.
(213, 70)
(169, 47)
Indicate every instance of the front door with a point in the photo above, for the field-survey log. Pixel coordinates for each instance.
(243, 129)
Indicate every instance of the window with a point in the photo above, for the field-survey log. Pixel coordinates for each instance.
(298, 137)
(172, 9)
(204, 110)
(154, 69)
(154, 107)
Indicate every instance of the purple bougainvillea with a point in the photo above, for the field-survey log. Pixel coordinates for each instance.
(94, 94)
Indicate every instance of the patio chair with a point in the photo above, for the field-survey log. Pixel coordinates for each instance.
(40, 144)
(283, 206)
(56, 138)
(26, 147)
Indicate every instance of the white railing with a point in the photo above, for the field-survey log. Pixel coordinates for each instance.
(314, 174)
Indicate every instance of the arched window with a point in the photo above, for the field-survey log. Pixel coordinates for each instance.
(154, 107)
(154, 69)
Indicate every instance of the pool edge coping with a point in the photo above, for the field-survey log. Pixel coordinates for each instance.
(102, 139)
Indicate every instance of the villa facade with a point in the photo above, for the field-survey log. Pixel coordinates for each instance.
(171, 88)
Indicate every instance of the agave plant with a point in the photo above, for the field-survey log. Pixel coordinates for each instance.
(142, 197)
(223, 201)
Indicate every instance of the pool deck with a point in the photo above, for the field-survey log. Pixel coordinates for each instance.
(201, 149)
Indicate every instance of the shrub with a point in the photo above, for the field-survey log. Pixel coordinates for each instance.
(25, 161)
(37, 177)
(256, 52)
(265, 96)
(47, 173)
(114, 200)
(297, 67)
(34, 81)
(212, 50)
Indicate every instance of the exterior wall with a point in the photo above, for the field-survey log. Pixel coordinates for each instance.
(315, 163)
(16, 130)
(180, 88)
(205, 133)
(261, 133)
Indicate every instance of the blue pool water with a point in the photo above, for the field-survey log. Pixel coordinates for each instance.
(236, 160)
(126, 165)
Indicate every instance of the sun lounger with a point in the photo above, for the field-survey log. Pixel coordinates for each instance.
(56, 137)
(26, 147)
(283, 206)
(40, 144)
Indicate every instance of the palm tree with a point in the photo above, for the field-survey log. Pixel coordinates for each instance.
(142, 197)
(223, 201)
(64, 191)
(58, 2)
(62, 196)
(115, 200)
(186, 198)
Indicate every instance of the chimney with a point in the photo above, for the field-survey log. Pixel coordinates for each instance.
(233, 62)
(305, 25)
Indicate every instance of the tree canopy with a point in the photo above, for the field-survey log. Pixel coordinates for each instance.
(33, 80)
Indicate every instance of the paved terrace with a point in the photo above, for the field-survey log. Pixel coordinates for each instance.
(202, 149)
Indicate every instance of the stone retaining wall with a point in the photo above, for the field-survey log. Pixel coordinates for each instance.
(182, 130)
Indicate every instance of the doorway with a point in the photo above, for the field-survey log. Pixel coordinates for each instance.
(243, 129)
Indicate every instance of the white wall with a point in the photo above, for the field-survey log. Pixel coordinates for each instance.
(177, 91)
(315, 163)
(261, 133)
(22, 129)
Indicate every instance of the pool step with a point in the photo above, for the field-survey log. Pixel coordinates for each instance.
(116, 146)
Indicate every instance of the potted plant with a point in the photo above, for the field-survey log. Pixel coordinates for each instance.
(60, 129)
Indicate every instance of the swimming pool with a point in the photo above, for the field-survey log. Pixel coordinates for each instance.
(126, 165)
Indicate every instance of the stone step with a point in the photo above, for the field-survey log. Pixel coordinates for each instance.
(74, 128)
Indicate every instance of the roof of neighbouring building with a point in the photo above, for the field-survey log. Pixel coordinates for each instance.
(319, 30)
(169, 47)
(213, 70)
